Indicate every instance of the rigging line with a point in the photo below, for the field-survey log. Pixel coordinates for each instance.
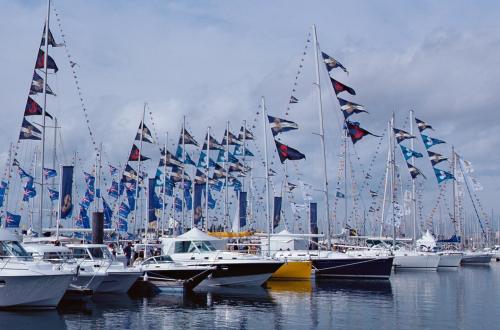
(73, 66)
(472, 200)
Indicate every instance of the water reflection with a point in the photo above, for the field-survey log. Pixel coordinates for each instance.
(383, 287)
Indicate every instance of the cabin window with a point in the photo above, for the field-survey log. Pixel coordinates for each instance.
(80, 253)
(13, 248)
(193, 246)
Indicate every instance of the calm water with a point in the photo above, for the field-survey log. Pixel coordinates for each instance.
(468, 298)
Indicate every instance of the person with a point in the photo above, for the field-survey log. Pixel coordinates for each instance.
(112, 250)
(128, 253)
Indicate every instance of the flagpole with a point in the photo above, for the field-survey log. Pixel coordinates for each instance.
(413, 188)
(244, 149)
(322, 133)
(11, 146)
(54, 167)
(345, 177)
(269, 226)
(139, 172)
(206, 178)
(393, 179)
(226, 168)
(58, 216)
(164, 202)
(46, 55)
(183, 171)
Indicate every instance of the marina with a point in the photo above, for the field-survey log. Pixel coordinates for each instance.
(303, 209)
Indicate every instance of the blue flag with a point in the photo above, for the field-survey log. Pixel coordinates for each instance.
(49, 173)
(277, 211)
(122, 225)
(178, 204)
(408, 153)
(108, 214)
(83, 220)
(429, 142)
(113, 190)
(66, 200)
(53, 194)
(123, 210)
(243, 209)
(12, 220)
(442, 175)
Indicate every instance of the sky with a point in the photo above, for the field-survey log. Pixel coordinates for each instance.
(211, 61)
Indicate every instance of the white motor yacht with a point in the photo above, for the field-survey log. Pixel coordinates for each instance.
(85, 277)
(97, 259)
(27, 283)
(232, 268)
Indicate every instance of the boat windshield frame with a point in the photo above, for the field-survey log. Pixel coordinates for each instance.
(157, 260)
(193, 246)
(13, 249)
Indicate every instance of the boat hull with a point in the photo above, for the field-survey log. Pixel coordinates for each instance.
(33, 292)
(293, 270)
(240, 274)
(362, 268)
(476, 259)
(177, 278)
(88, 280)
(428, 262)
(118, 282)
(449, 261)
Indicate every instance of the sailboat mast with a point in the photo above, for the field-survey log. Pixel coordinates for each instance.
(164, 201)
(206, 178)
(42, 163)
(226, 168)
(266, 165)
(139, 171)
(183, 171)
(322, 133)
(393, 181)
(345, 176)
(413, 188)
(52, 184)
(244, 150)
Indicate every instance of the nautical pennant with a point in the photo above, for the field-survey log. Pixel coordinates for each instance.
(108, 214)
(123, 210)
(232, 139)
(435, 157)
(129, 174)
(113, 170)
(219, 172)
(168, 159)
(332, 63)
(279, 125)
(414, 172)
(188, 138)
(408, 153)
(23, 173)
(285, 152)
(422, 125)
(200, 177)
(442, 175)
(37, 85)
(146, 134)
(401, 135)
(40, 62)
(214, 145)
(356, 132)
(339, 87)
(348, 108)
(113, 190)
(33, 109)
(429, 142)
(29, 131)
(239, 152)
(293, 100)
(135, 153)
(248, 135)
(52, 41)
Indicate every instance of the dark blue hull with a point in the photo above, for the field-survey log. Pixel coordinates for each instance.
(366, 268)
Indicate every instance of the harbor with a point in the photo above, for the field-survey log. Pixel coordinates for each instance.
(159, 188)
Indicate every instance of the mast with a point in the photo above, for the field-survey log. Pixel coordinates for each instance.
(11, 146)
(42, 163)
(266, 160)
(98, 174)
(345, 176)
(164, 183)
(206, 178)
(393, 181)
(387, 168)
(53, 183)
(322, 133)
(139, 171)
(58, 216)
(413, 188)
(183, 171)
(226, 168)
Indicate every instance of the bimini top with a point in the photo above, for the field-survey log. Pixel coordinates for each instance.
(196, 235)
(6, 235)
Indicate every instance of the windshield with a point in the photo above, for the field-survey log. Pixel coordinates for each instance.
(100, 253)
(193, 246)
(158, 259)
(13, 249)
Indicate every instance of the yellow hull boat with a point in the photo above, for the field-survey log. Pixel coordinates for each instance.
(294, 270)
